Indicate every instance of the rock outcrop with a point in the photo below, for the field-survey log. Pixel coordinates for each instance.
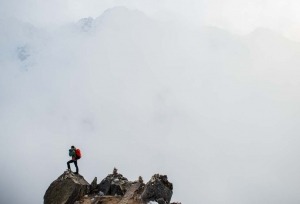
(94, 187)
(114, 184)
(158, 189)
(67, 188)
(70, 188)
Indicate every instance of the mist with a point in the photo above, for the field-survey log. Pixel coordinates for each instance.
(216, 111)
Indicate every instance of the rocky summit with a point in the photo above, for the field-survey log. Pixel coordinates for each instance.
(70, 188)
(67, 188)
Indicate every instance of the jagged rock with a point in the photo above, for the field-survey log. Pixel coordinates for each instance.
(104, 186)
(66, 189)
(158, 189)
(93, 187)
(114, 184)
(141, 179)
(130, 193)
(70, 188)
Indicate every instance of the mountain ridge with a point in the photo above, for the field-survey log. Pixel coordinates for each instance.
(71, 188)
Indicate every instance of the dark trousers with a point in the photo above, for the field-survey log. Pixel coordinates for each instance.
(75, 163)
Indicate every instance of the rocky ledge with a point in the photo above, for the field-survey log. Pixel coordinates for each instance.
(70, 188)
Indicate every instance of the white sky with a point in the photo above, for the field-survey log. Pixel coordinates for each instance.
(239, 16)
(158, 93)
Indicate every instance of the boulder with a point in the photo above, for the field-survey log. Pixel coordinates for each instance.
(114, 184)
(158, 189)
(66, 189)
(104, 186)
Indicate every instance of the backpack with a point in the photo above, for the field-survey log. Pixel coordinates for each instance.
(77, 153)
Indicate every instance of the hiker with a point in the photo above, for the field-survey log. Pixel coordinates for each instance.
(72, 153)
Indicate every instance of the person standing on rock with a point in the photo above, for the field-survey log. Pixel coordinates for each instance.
(72, 153)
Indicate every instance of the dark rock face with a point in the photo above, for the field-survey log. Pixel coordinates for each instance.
(114, 184)
(104, 186)
(93, 187)
(66, 189)
(158, 189)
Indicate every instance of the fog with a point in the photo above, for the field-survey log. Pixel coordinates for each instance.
(149, 91)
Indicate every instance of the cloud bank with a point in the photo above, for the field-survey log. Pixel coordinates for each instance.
(216, 112)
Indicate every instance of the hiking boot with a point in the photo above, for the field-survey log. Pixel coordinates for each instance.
(68, 170)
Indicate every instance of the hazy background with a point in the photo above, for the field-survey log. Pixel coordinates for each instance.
(203, 91)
